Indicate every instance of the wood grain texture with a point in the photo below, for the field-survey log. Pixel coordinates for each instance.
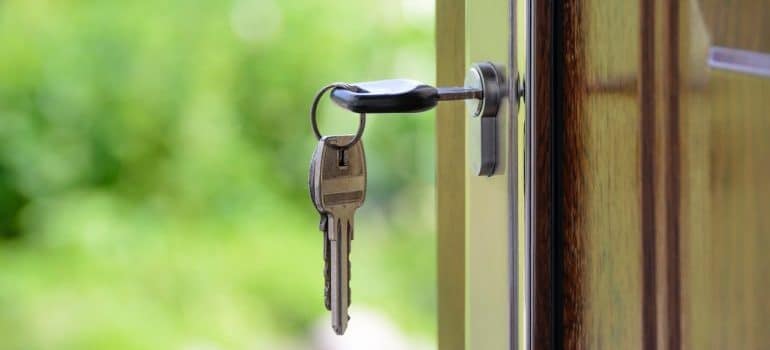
(740, 24)
(607, 216)
(725, 154)
(569, 263)
(594, 205)
(647, 169)
(651, 223)
(604, 131)
(539, 163)
(669, 194)
(450, 176)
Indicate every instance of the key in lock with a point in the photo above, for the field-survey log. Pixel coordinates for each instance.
(484, 90)
(338, 169)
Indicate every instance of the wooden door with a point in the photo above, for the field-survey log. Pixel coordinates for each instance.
(649, 175)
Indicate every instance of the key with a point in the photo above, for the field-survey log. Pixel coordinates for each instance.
(398, 96)
(339, 190)
(322, 227)
(486, 86)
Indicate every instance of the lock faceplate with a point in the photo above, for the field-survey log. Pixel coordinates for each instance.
(490, 79)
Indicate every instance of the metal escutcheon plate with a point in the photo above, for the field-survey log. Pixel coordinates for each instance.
(483, 113)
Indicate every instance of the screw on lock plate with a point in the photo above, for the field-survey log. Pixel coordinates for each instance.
(485, 87)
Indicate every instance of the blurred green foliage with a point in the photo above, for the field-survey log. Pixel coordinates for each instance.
(153, 168)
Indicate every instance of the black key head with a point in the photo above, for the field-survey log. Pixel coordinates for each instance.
(387, 96)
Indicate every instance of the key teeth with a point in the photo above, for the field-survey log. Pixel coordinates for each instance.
(350, 232)
(340, 330)
(350, 238)
(323, 225)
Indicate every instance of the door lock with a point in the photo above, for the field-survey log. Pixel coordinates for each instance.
(485, 88)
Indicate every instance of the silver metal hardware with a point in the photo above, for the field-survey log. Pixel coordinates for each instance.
(490, 79)
(338, 188)
(458, 93)
(743, 61)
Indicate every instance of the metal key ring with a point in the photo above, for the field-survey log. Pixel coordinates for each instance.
(314, 112)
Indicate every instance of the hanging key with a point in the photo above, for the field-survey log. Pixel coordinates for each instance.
(338, 168)
(338, 189)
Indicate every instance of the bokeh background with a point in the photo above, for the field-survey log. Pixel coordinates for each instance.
(153, 173)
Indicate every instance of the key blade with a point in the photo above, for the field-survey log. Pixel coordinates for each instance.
(339, 236)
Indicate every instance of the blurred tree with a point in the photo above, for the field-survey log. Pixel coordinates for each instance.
(153, 164)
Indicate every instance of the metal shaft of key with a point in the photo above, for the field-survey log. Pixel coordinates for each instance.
(399, 96)
(458, 93)
(340, 232)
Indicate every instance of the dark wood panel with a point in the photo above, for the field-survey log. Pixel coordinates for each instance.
(590, 207)
(539, 160)
(606, 216)
(650, 177)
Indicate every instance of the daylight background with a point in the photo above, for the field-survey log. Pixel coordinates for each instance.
(153, 173)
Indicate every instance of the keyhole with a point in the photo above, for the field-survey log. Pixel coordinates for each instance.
(342, 158)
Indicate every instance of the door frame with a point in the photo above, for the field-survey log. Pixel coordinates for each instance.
(480, 220)
(450, 178)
